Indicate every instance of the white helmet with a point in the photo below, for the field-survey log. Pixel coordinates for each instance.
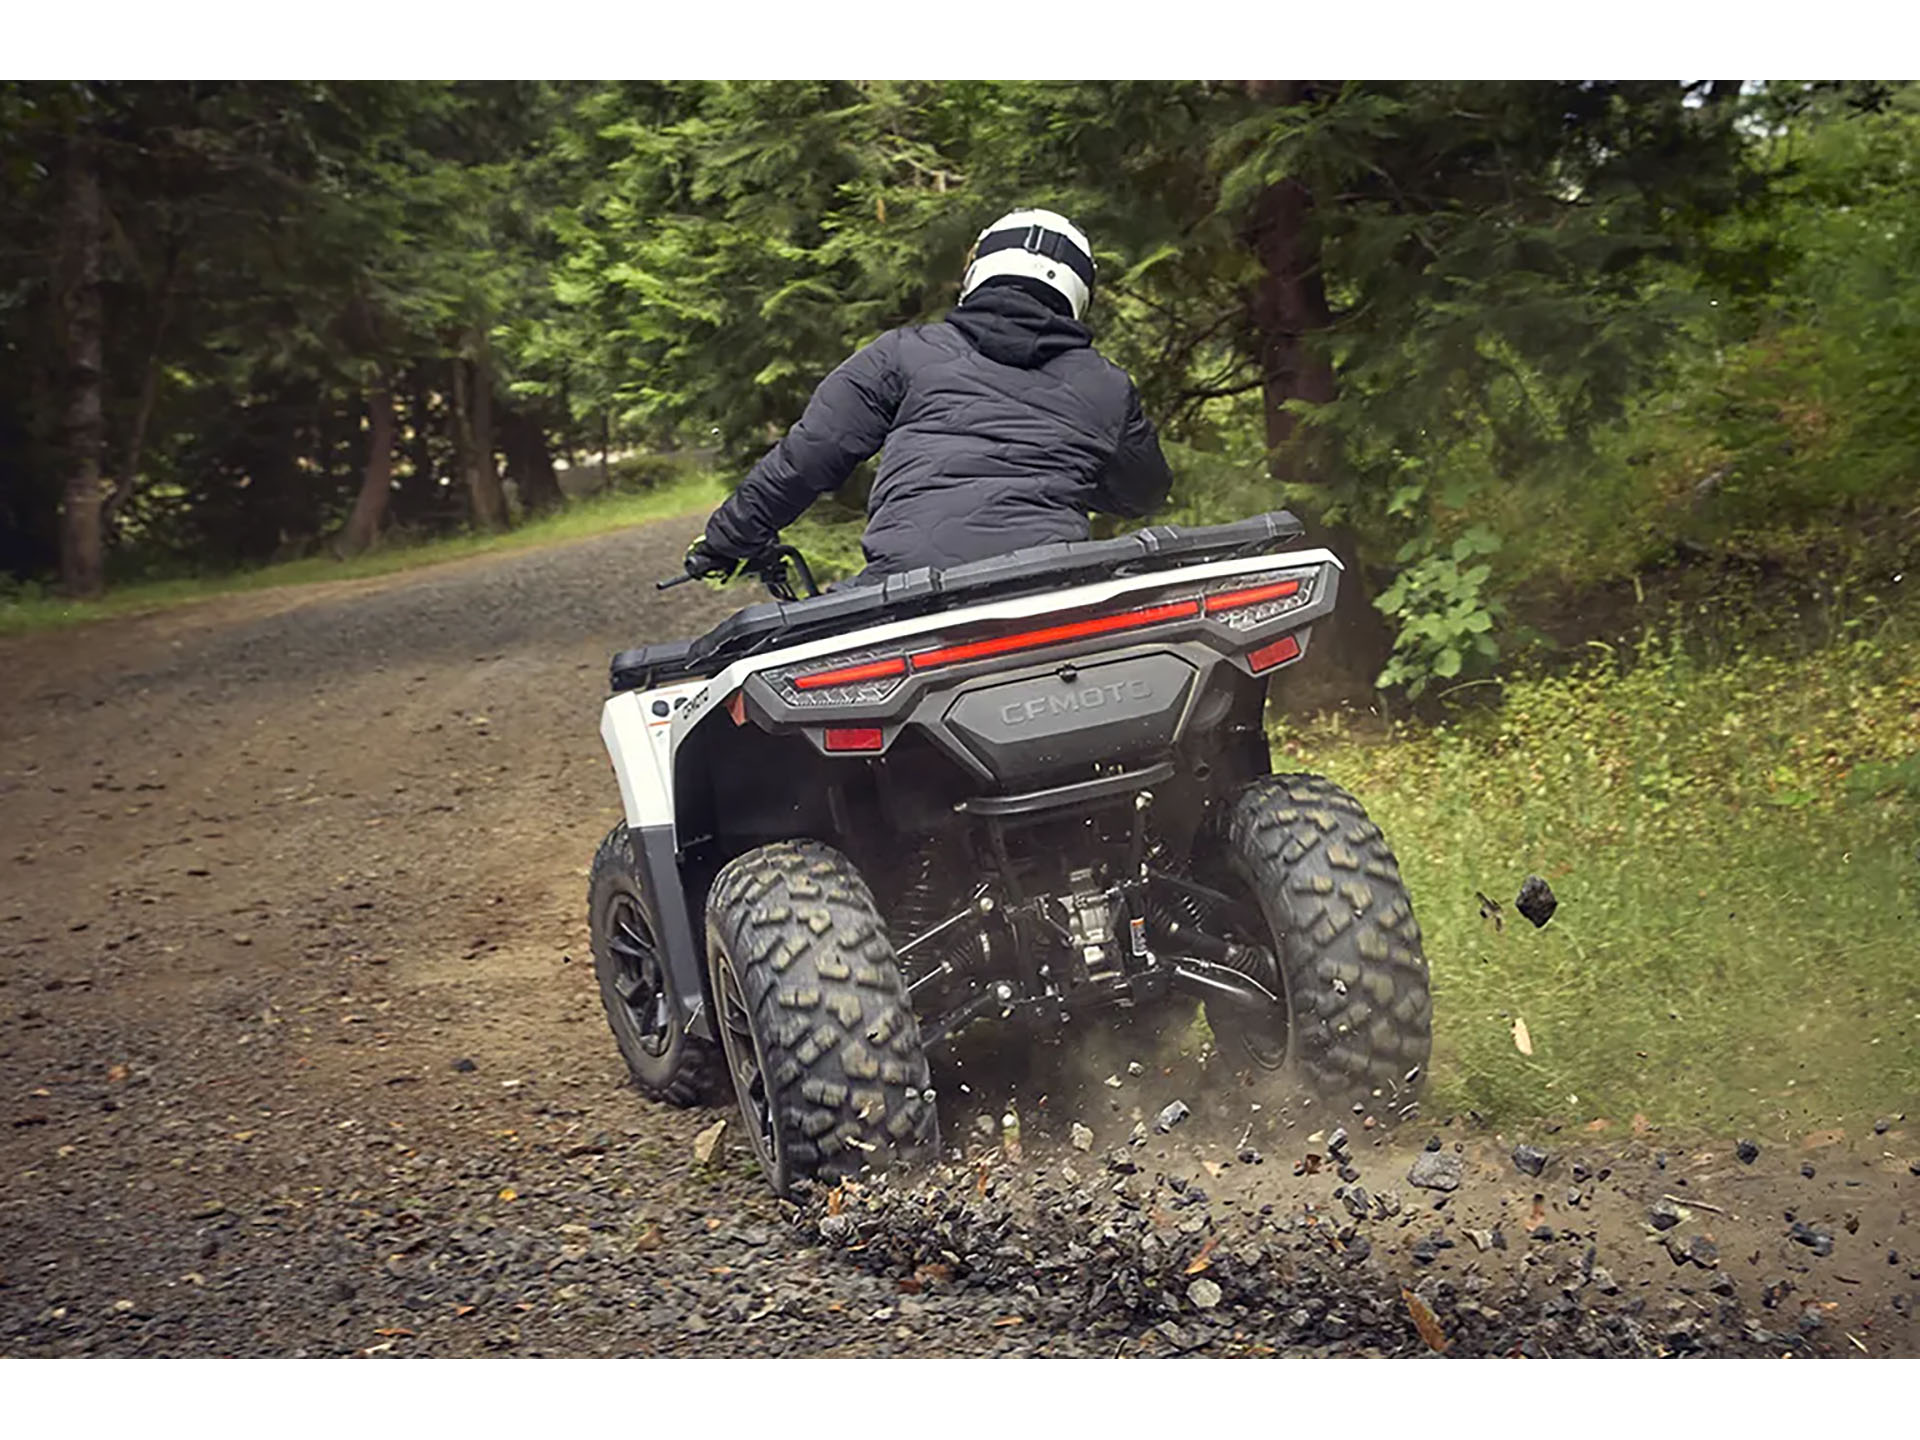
(1038, 245)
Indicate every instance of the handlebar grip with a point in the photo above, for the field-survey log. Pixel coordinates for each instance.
(669, 584)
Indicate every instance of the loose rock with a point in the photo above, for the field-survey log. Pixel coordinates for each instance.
(1818, 1241)
(1433, 1170)
(1536, 901)
(1529, 1159)
(707, 1141)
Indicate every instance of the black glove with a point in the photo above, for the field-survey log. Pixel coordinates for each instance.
(704, 563)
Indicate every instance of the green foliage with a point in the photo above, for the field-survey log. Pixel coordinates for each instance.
(1783, 428)
(1444, 612)
(1732, 845)
(1608, 322)
(728, 244)
(831, 542)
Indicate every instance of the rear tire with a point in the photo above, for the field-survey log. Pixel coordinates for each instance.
(820, 1038)
(1359, 1016)
(636, 988)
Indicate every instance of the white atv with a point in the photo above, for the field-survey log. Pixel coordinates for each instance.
(1029, 789)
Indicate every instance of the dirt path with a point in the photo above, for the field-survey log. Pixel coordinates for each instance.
(300, 1054)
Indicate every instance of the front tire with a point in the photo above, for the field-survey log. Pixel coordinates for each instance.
(1359, 1015)
(813, 1013)
(636, 987)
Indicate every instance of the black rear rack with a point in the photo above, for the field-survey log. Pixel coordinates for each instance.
(926, 591)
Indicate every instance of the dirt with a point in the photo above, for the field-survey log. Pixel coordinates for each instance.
(300, 1054)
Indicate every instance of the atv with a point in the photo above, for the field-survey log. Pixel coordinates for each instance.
(1032, 789)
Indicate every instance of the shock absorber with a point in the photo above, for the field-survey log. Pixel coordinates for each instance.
(1256, 962)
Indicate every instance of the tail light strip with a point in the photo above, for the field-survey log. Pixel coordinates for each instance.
(897, 666)
(852, 674)
(1055, 634)
(1258, 594)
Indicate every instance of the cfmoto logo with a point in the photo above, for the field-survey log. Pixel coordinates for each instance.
(1078, 698)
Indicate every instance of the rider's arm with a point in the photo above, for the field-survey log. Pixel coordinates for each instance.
(1136, 480)
(845, 422)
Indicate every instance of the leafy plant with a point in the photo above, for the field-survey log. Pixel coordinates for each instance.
(1444, 612)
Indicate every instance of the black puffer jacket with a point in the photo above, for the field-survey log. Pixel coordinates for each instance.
(1003, 428)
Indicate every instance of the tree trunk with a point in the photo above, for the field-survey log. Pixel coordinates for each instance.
(473, 395)
(529, 462)
(1292, 319)
(82, 565)
(376, 485)
(606, 448)
(1293, 323)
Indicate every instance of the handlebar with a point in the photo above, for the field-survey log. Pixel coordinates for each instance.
(770, 568)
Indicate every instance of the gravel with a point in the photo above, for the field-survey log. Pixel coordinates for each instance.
(393, 1122)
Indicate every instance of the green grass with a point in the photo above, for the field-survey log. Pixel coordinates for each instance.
(685, 495)
(1736, 851)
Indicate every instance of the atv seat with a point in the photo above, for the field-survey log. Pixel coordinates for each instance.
(927, 591)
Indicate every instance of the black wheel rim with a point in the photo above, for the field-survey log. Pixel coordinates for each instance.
(1268, 1049)
(1269, 1052)
(747, 1065)
(638, 978)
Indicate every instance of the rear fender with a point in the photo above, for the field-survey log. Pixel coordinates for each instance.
(637, 737)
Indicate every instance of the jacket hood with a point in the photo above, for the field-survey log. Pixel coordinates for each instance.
(1009, 326)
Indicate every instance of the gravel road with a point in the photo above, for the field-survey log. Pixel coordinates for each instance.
(300, 1054)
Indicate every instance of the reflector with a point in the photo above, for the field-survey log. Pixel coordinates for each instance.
(847, 737)
(1278, 653)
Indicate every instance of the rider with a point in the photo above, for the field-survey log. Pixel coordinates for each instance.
(1003, 427)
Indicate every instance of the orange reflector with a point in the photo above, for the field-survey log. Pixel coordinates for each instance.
(737, 707)
(851, 674)
(1240, 599)
(1278, 653)
(1055, 635)
(847, 737)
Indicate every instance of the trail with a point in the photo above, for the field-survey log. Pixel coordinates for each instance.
(300, 1054)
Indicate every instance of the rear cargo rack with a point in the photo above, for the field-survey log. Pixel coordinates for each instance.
(852, 605)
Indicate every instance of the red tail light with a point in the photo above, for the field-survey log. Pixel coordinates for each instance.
(1240, 599)
(871, 680)
(852, 674)
(1055, 634)
(848, 737)
(1278, 653)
